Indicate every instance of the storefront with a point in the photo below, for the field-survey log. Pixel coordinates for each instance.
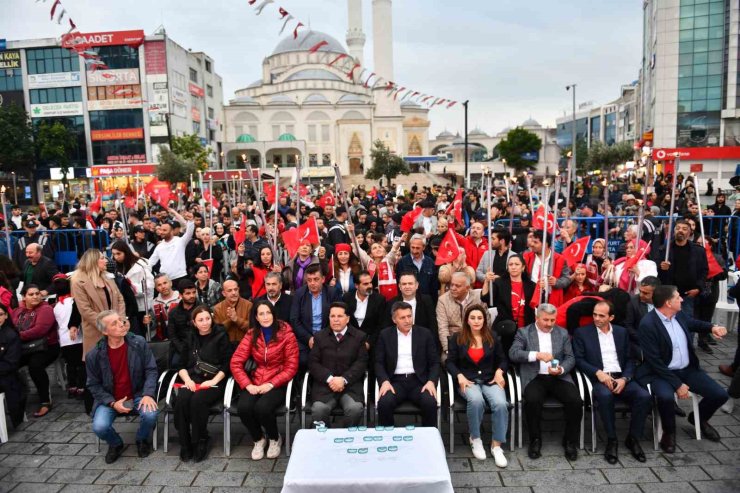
(717, 163)
(121, 179)
(49, 185)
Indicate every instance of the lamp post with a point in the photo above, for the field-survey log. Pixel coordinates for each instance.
(466, 178)
(15, 188)
(573, 162)
(7, 234)
(223, 161)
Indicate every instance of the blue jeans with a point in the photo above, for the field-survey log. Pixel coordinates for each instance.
(103, 424)
(687, 307)
(477, 396)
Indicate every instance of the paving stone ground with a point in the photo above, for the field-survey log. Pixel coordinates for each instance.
(58, 454)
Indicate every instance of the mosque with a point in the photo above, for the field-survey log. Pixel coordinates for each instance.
(303, 112)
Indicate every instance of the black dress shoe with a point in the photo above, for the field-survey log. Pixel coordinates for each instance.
(114, 452)
(707, 430)
(186, 452)
(143, 448)
(535, 444)
(679, 412)
(571, 451)
(610, 453)
(201, 450)
(668, 442)
(633, 444)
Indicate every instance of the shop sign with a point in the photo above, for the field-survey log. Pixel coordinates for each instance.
(696, 168)
(196, 90)
(212, 125)
(179, 96)
(155, 58)
(130, 38)
(3, 44)
(698, 153)
(141, 169)
(117, 134)
(195, 114)
(58, 79)
(56, 109)
(159, 98)
(113, 104)
(118, 77)
(10, 59)
(127, 159)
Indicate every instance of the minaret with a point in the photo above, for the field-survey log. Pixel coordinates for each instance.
(355, 34)
(383, 55)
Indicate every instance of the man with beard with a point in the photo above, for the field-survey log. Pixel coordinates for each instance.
(170, 252)
(686, 267)
(274, 294)
(178, 324)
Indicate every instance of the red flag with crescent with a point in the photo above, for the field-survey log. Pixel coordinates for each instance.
(714, 267)
(574, 253)
(448, 249)
(538, 222)
(307, 232)
(456, 207)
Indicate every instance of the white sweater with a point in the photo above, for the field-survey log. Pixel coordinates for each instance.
(171, 254)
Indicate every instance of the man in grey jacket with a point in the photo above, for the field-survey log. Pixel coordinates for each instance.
(545, 356)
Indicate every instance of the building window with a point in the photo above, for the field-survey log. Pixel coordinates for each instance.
(326, 159)
(56, 95)
(312, 133)
(178, 80)
(196, 128)
(106, 120)
(11, 80)
(313, 159)
(118, 57)
(275, 132)
(100, 93)
(78, 155)
(209, 90)
(290, 129)
(253, 132)
(193, 75)
(210, 113)
(117, 151)
(325, 133)
(51, 60)
(208, 67)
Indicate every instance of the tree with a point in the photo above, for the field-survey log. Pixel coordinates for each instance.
(54, 143)
(174, 169)
(385, 164)
(189, 148)
(602, 156)
(517, 143)
(16, 140)
(581, 156)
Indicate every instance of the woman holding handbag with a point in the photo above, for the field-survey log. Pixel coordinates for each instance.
(37, 327)
(209, 352)
(263, 364)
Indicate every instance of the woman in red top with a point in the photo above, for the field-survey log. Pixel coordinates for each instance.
(273, 347)
(478, 363)
(257, 272)
(580, 283)
(35, 321)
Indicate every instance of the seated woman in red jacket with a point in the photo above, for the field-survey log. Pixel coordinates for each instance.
(274, 349)
(36, 324)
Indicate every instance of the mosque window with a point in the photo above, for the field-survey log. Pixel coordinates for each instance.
(325, 133)
(312, 133)
(313, 159)
(275, 132)
(290, 129)
(326, 159)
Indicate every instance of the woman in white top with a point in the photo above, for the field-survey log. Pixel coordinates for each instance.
(345, 267)
(381, 264)
(628, 273)
(139, 273)
(69, 324)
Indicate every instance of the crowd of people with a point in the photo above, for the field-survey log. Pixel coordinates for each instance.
(370, 295)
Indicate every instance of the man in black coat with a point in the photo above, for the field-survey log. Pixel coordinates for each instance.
(639, 306)
(337, 366)
(179, 325)
(274, 294)
(38, 270)
(424, 309)
(407, 367)
(686, 268)
(367, 309)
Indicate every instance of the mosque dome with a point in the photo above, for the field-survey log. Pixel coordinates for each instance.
(313, 74)
(316, 98)
(245, 139)
(530, 122)
(445, 135)
(307, 39)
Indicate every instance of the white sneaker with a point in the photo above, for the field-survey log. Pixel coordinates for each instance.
(478, 451)
(498, 457)
(258, 452)
(273, 451)
(728, 406)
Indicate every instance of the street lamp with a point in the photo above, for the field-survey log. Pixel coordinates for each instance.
(573, 162)
(223, 162)
(7, 233)
(466, 178)
(15, 188)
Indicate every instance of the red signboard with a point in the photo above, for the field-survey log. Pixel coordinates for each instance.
(196, 90)
(130, 38)
(155, 57)
(698, 153)
(126, 159)
(195, 114)
(696, 168)
(124, 170)
(117, 134)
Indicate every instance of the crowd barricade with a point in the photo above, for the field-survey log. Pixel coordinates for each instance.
(725, 229)
(66, 246)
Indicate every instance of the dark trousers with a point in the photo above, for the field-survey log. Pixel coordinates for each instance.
(713, 396)
(12, 387)
(76, 373)
(257, 412)
(408, 388)
(192, 410)
(633, 394)
(37, 363)
(544, 386)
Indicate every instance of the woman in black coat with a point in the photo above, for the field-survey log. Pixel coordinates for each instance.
(478, 363)
(10, 358)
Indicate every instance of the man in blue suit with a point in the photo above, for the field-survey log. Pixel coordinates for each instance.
(602, 352)
(671, 366)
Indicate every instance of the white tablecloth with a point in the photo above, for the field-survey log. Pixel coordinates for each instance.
(318, 464)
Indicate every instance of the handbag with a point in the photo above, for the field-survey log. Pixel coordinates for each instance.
(250, 365)
(205, 369)
(34, 346)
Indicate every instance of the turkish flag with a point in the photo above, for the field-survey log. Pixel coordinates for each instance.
(96, 204)
(456, 206)
(209, 263)
(208, 196)
(129, 202)
(574, 253)
(294, 237)
(326, 199)
(538, 221)
(449, 250)
(714, 267)
(241, 234)
(160, 191)
(408, 220)
(303, 189)
(269, 191)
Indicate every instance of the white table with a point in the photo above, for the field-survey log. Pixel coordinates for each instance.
(319, 464)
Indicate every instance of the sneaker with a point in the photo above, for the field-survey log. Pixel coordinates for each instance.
(114, 452)
(273, 451)
(476, 444)
(728, 406)
(498, 457)
(258, 452)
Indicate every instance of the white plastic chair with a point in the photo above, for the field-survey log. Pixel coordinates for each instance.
(409, 409)
(658, 425)
(3, 422)
(305, 409)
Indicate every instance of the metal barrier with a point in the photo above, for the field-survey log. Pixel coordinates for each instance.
(726, 229)
(64, 246)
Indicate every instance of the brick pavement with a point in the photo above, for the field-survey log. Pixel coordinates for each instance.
(58, 454)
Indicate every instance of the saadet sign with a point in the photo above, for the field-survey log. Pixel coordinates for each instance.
(130, 38)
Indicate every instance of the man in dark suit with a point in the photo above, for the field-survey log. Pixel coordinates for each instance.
(366, 308)
(422, 306)
(670, 364)
(535, 348)
(602, 354)
(337, 365)
(639, 306)
(309, 312)
(407, 367)
(422, 265)
(274, 294)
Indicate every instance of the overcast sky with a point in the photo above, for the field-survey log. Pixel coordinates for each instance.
(511, 58)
